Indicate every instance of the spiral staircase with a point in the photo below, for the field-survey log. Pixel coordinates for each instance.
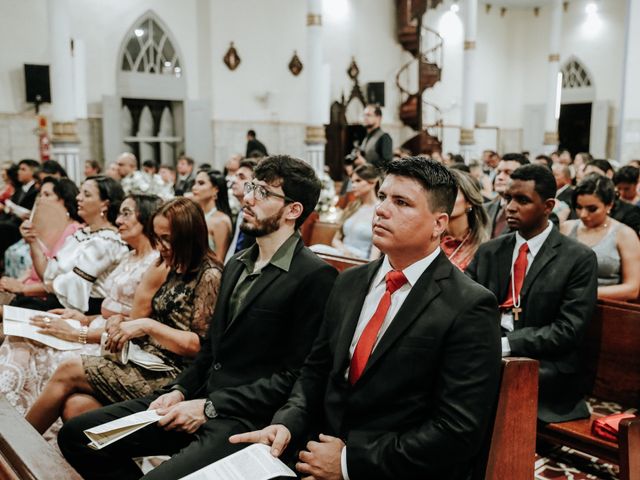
(426, 48)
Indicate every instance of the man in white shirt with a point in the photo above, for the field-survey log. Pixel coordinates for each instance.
(240, 240)
(403, 377)
(546, 286)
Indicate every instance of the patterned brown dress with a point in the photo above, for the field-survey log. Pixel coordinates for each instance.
(184, 302)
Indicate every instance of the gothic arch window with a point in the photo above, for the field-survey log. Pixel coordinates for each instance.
(575, 75)
(150, 50)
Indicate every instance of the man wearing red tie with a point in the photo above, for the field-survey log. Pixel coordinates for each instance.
(546, 285)
(403, 377)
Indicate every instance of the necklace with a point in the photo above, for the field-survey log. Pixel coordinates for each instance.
(210, 213)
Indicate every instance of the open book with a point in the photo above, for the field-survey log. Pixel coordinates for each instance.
(252, 463)
(107, 433)
(16, 323)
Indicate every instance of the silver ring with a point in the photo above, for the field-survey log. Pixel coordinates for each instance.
(47, 321)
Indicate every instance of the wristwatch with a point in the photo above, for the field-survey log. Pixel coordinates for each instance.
(209, 410)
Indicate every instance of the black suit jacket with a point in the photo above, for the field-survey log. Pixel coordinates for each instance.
(422, 404)
(558, 299)
(626, 213)
(247, 365)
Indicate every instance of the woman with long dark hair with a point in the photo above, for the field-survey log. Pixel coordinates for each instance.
(210, 192)
(181, 312)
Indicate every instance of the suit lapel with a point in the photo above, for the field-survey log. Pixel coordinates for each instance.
(545, 255)
(266, 278)
(421, 295)
(504, 257)
(352, 312)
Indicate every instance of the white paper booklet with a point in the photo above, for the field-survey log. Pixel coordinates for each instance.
(107, 433)
(147, 360)
(252, 463)
(16, 323)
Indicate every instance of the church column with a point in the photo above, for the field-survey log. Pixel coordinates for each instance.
(551, 121)
(628, 138)
(469, 80)
(314, 134)
(65, 143)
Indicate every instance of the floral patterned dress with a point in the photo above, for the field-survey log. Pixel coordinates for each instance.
(26, 365)
(184, 302)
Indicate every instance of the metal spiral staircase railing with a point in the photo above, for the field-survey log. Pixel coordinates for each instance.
(426, 48)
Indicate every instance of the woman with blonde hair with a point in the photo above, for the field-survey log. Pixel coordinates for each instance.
(468, 223)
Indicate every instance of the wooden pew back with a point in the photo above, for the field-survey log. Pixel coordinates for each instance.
(612, 353)
(341, 263)
(24, 454)
(510, 448)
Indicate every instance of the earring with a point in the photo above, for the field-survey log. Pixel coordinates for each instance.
(470, 209)
(102, 214)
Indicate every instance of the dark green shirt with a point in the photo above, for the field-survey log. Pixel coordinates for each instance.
(281, 259)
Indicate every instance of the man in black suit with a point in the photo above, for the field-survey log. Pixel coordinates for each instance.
(255, 148)
(268, 312)
(564, 192)
(405, 392)
(240, 240)
(25, 197)
(546, 285)
(495, 208)
(186, 175)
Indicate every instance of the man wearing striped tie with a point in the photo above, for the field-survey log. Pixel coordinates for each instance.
(546, 286)
(402, 379)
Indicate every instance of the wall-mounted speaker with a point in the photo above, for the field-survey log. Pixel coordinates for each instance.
(375, 93)
(36, 80)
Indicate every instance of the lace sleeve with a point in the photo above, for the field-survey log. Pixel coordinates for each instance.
(206, 294)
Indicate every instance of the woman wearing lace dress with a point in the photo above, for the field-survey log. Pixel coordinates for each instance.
(181, 311)
(616, 245)
(76, 277)
(27, 365)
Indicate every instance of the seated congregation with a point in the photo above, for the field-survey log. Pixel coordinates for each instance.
(390, 349)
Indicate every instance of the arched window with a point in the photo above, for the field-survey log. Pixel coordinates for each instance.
(574, 75)
(150, 50)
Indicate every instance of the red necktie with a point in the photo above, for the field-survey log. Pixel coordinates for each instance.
(367, 340)
(519, 271)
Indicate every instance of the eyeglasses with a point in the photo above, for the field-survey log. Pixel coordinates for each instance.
(260, 192)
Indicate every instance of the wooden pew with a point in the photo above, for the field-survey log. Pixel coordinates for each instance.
(511, 443)
(612, 360)
(341, 263)
(323, 233)
(24, 454)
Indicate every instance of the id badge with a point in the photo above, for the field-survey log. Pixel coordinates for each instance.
(506, 321)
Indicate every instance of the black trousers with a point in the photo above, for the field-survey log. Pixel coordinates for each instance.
(190, 452)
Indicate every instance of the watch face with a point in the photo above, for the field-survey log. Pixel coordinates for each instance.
(209, 409)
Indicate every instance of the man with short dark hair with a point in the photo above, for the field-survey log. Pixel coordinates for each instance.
(495, 208)
(626, 182)
(402, 379)
(546, 286)
(544, 160)
(269, 307)
(255, 148)
(240, 239)
(186, 175)
(376, 147)
(24, 197)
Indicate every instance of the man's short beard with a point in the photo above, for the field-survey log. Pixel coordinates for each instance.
(264, 226)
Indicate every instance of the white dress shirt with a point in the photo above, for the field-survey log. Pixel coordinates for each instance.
(234, 241)
(535, 244)
(377, 289)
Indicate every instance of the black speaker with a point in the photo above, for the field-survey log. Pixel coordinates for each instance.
(36, 80)
(375, 93)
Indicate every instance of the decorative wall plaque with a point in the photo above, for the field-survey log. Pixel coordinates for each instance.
(295, 65)
(231, 58)
(353, 71)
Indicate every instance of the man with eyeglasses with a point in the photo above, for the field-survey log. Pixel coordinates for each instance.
(270, 304)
